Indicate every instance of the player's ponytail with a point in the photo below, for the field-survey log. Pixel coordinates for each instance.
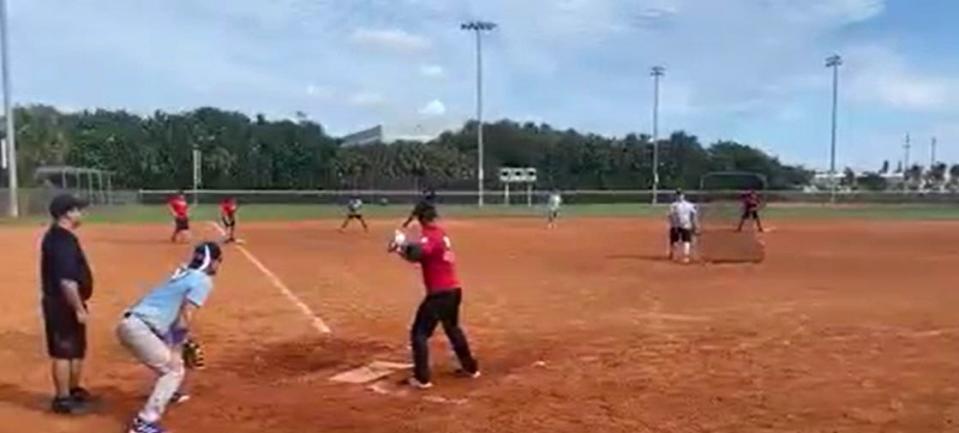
(203, 256)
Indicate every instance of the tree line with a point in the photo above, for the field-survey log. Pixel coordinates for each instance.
(240, 152)
(937, 177)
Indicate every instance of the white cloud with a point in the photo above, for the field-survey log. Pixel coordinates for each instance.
(880, 75)
(851, 10)
(367, 99)
(736, 68)
(391, 40)
(318, 91)
(913, 93)
(433, 108)
(432, 71)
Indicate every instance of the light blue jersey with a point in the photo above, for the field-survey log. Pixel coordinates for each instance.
(161, 307)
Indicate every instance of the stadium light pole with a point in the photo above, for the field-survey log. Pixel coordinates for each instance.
(478, 27)
(834, 62)
(657, 72)
(13, 208)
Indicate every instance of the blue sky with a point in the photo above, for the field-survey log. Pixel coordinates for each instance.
(750, 70)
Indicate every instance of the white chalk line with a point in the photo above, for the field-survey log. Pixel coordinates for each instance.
(316, 321)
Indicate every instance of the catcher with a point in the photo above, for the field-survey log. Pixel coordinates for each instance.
(156, 331)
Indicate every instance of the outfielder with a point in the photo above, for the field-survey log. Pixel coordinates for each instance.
(444, 294)
(682, 225)
(354, 211)
(228, 210)
(553, 203)
(156, 331)
(180, 210)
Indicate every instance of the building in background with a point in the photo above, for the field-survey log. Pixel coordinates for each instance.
(385, 134)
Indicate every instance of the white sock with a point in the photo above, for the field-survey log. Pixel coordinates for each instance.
(686, 247)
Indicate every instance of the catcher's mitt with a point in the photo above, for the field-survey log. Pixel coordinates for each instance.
(193, 355)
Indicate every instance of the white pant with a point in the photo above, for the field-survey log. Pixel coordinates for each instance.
(166, 361)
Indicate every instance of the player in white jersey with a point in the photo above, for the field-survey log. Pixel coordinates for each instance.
(553, 203)
(354, 211)
(683, 218)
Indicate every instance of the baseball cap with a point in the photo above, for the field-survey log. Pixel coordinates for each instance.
(64, 203)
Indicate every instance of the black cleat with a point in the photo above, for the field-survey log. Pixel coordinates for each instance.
(68, 406)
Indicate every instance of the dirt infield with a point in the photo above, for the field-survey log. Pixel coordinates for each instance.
(846, 327)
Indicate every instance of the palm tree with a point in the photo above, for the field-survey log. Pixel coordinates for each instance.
(936, 176)
(954, 176)
(913, 177)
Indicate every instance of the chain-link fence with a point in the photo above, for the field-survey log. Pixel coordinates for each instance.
(537, 197)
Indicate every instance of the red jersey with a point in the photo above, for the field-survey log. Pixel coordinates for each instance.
(179, 207)
(228, 208)
(751, 200)
(437, 260)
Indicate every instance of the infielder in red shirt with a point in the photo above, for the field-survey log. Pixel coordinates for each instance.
(228, 208)
(181, 217)
(444, 294)
(751, 205)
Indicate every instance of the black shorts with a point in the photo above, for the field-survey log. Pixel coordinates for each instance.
(66, 337)
(354, 216)
(677, 234)
(750, 214)
(228, 222)
(182, 224)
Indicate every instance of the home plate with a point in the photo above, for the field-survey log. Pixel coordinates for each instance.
(444, 400)
(384, 388)
(368, 373)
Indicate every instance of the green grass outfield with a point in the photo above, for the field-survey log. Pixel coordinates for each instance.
(292, 212)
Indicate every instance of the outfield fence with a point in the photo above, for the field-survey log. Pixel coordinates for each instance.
(520, 198)
(34, 201)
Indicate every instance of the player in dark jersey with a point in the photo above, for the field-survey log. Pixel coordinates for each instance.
(354, 211)
(427, 201)
(751, 205)
(228, 210)
(433, 251)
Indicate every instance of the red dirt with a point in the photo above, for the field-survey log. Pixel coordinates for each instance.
(846, 327)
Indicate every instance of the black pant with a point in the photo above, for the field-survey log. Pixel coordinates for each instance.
(66, 337)
(752, 214)
(438, 308)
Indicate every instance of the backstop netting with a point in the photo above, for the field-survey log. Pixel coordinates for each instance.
(721, 209)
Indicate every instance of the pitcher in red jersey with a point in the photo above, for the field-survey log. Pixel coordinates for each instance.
(751, 205)
(444, 294)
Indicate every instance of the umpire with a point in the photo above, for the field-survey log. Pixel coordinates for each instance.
(67, 285)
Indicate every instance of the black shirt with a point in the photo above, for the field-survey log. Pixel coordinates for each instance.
(61, 258)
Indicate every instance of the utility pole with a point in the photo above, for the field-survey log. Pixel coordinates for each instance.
(932, 151)
(906, 147)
